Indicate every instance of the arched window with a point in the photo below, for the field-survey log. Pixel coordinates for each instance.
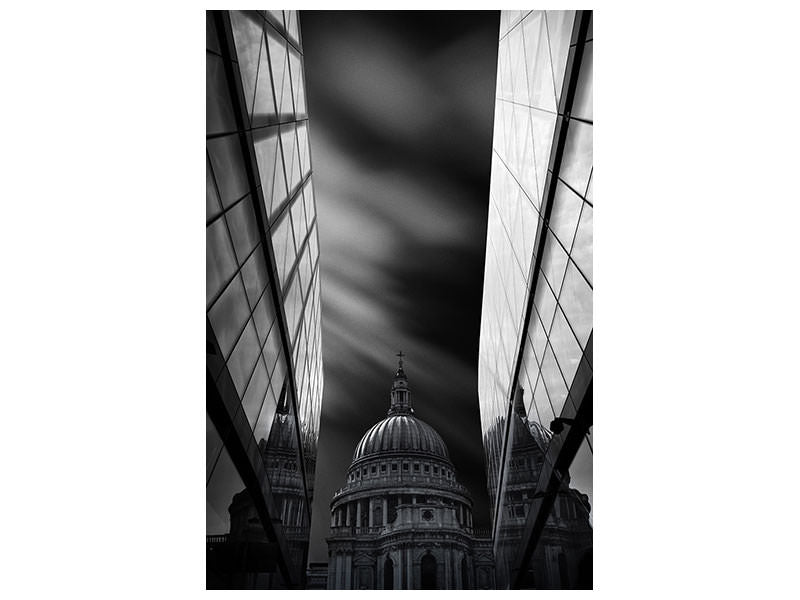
(428, 572)
(388, 574)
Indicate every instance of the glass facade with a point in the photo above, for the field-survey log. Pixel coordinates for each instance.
(535, 361)
(263, 340)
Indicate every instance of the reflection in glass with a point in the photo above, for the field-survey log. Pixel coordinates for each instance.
(228, 315)
(535, 53)
(248, 38)
(576, 163)
(227, 163)
(239, 553)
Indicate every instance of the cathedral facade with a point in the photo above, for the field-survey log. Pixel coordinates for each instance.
(402, 519)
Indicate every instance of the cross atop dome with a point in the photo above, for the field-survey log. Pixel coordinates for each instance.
(400, 372)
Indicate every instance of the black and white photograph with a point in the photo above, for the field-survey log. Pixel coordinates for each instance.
(398, 281)
(399, 285)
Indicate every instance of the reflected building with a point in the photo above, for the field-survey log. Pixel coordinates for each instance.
(263, 345)
(402, 520)
(535, 359)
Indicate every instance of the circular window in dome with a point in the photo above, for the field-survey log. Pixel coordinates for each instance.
(427, 515)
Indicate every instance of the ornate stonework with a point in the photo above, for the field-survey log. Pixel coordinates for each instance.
(402, 520)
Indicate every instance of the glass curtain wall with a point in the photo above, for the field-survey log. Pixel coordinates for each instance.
(535, 362)
(264, 354)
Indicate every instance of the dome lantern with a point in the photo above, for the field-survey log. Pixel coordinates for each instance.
(400, 403)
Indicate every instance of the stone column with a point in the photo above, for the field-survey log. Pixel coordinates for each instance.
(358, 513)
(347, 514)
(398, 570)
(339, 572)
(409, 570)
(385, 511)
(371, 513)
(348, 569)
(461, 514)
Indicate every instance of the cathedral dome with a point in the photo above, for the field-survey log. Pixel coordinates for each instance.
(401, 433)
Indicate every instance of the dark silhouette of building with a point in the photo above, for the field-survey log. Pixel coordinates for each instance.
(263, 336)
(535, 362)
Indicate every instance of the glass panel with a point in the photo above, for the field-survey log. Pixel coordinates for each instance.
(312, 240)
(220, 490)
(543, 126)
(280, 72)
(267, 414)
(302, 143)
(565, 213)
(504, 71)
(559, 30)
(528, 375)
(264, 111)
(576, 163)
(292, 25)
(582, 248)
(228, 166)
(254, 274)
(292, 305)
(519, 79)
(566, 349)
(582, 103)
(243, 228)
(228, 315)
(290, 158)
(580, 474)
(264, 315)
(247, 38)
(213, 207)
(283, 247)
(554, 382)
(212, 40)
(213, 447)
(219, 112)
(308, 198)
(276, 17)
(298, 87)
(544, 409)
(270, 167)
(576, 301)
(298, 221)
(554, 262)
(537, 60)
(538, 333)
(243, 358)
(272, 349)
(254, 396)
(220, 261)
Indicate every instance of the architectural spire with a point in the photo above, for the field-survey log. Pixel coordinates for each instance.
(400, 401)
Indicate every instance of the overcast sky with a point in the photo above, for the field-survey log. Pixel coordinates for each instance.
(400, 108)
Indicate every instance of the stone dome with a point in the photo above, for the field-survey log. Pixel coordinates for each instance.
(401, 433)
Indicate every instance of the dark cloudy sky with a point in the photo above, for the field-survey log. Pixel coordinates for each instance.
(401, 107)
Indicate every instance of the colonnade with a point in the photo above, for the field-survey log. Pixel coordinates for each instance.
(343, 515)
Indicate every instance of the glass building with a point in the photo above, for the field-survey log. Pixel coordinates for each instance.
(535, 361)
(263, 344)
